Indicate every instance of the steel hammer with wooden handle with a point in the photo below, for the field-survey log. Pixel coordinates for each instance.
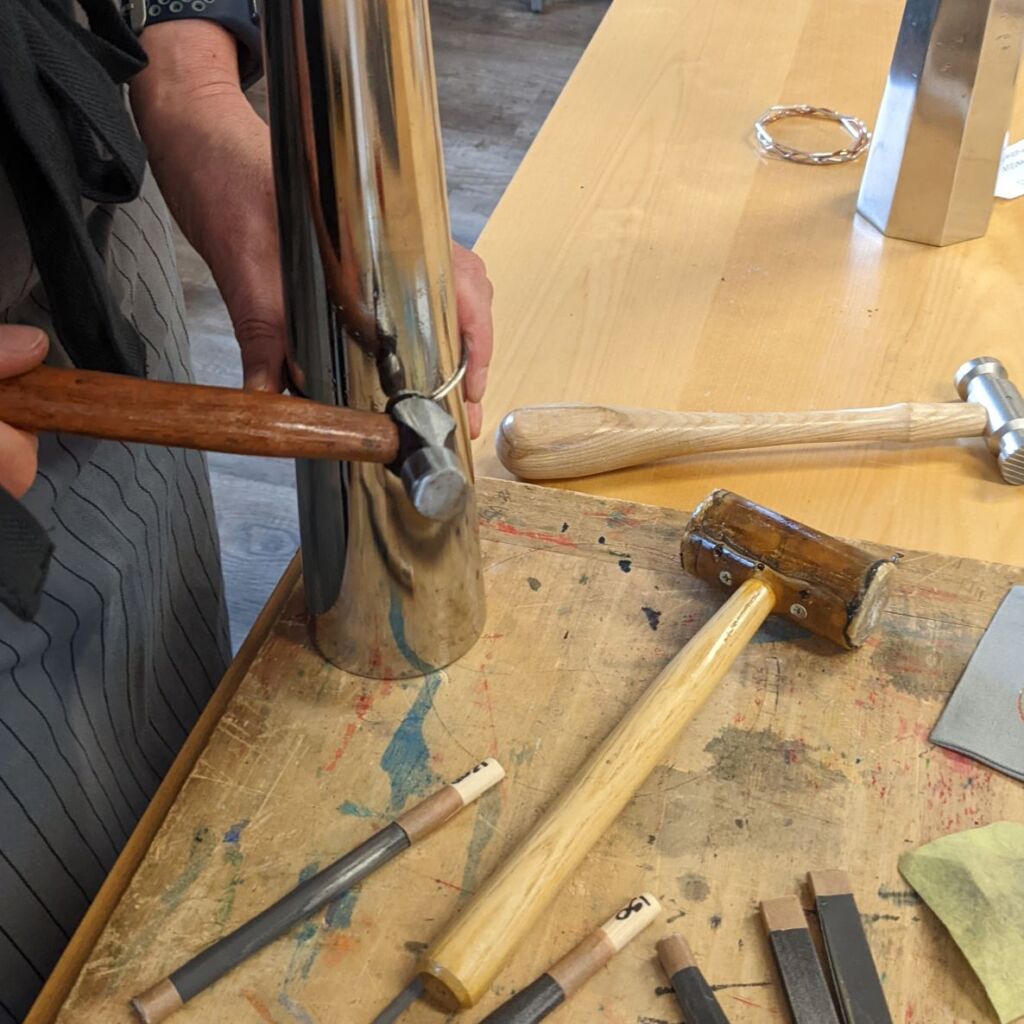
(550, 442)
(769, 564)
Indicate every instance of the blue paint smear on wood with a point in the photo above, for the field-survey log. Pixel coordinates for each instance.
(407, 759)
(339, 911)
(397, 625)
(234, 833)
(309, 871)
(356, 810)
(294, 1009)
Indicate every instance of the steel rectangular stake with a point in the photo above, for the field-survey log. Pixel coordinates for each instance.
(934, 158)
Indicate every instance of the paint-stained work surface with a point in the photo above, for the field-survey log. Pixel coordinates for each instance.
(802, 758)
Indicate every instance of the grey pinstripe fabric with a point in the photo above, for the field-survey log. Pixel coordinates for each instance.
(98, 693)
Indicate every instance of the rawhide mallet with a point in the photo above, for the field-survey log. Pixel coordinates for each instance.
(769, 564)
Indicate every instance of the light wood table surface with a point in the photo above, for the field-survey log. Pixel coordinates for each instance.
(646, 255)
(803, 758)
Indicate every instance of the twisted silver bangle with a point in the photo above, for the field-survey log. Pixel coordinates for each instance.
(856, 128)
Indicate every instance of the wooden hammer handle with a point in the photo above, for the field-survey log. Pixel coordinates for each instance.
(111, 406)
(461, 965)
(549, 442)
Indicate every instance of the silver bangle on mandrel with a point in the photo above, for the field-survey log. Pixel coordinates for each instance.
(856, 128)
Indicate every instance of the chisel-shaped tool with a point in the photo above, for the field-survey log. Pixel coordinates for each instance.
(858, 988)
(802, 977)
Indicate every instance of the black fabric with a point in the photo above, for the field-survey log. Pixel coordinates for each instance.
(25, 551)
(66, 136)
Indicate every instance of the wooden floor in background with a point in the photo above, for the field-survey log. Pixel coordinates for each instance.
(499, 70)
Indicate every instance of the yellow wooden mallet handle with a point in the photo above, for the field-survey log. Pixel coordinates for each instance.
(459, 968)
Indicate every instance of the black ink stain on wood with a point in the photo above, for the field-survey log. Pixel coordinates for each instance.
(694, 887)
(715, 920)
(625, 565)
(653, 616)
(901, 897)
(789, 765)
(534, 582)
(416, 947)
(565, 526)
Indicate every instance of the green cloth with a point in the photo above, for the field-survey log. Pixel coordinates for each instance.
(974, 881)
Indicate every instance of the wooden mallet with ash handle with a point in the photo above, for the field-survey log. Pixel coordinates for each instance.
(769, 564)
(558, 442)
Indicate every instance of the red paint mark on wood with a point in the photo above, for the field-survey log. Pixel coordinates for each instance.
(939, 595)
(450, 885)
(545, 538)
(364, 702)
(958, 762)
(485, 688)
(746, 1002)
(909, 1015)
(259, 1006)
(335, 947)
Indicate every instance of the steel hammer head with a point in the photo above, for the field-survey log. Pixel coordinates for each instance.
(823, 584)
(984, 382)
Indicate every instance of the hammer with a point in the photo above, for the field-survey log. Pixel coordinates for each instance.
(768, 563)
(410, 438)
(550, 442)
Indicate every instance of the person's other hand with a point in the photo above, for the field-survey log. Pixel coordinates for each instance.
(21, 348)
(473, 295)
(210, 154)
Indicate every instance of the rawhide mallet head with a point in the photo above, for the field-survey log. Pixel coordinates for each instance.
(827, 586)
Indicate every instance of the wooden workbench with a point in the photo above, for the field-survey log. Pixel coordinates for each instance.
(803, 758)
(645, 255)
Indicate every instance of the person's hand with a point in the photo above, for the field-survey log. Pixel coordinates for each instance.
(473, 294)
(21, 348)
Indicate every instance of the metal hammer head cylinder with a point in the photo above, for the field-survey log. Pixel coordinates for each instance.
(984, 382)
(829, 587)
